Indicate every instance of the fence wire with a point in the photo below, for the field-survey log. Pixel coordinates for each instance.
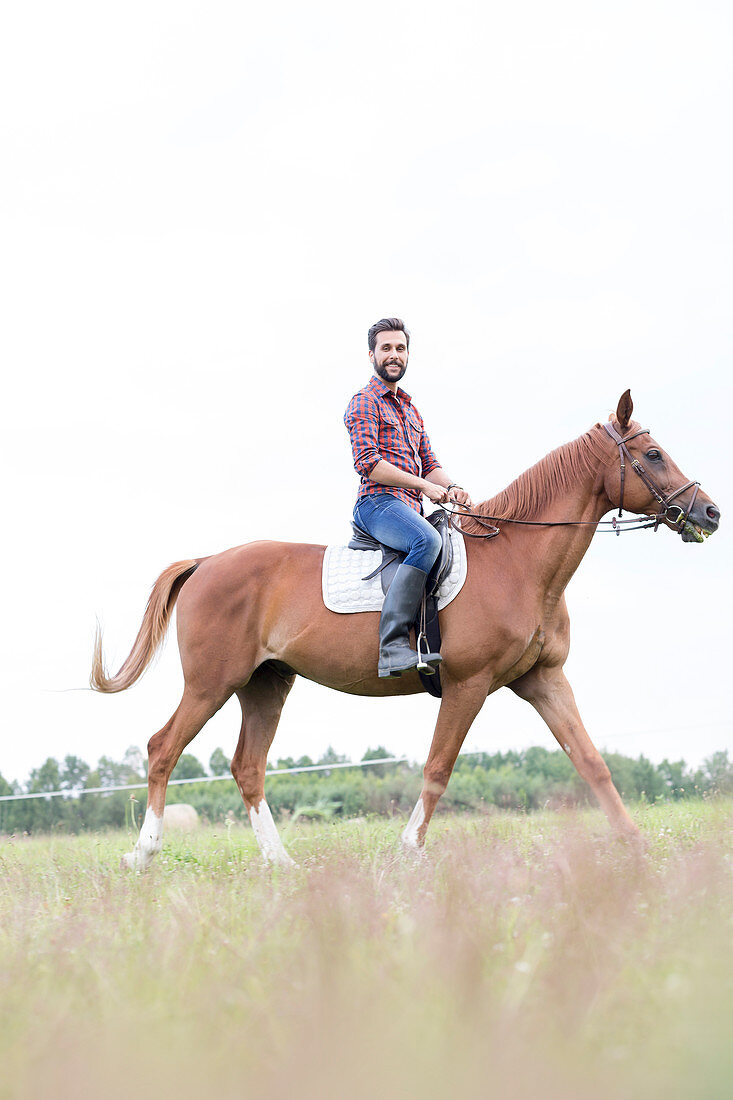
(74, 792)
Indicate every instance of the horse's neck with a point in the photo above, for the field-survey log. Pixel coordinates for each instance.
(564, 547)
(553, 553)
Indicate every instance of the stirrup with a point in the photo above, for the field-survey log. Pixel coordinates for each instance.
(422, 661)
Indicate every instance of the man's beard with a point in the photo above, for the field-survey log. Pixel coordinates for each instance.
(381, 369)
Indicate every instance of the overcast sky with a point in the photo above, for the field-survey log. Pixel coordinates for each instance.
(204, 207)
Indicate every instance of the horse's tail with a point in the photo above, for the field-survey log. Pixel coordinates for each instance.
(150, 635)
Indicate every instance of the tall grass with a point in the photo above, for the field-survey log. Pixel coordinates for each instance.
(526, 956)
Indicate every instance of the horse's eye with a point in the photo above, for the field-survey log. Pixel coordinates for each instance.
(654, 455)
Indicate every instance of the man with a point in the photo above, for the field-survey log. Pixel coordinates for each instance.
(392, 453)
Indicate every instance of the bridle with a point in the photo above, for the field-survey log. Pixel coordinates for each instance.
(672, 514)
(682, 514)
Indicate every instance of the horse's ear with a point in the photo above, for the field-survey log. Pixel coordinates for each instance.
(624, 410)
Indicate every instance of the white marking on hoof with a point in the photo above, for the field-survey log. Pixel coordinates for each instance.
(410, 838)
(267, 836)
(148, 843)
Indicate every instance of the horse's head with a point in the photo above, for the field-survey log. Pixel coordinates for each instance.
(643, 478)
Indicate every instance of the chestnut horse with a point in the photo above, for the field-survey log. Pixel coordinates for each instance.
(252, 618)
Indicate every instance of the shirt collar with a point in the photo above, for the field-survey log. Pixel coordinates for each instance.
(376, 385)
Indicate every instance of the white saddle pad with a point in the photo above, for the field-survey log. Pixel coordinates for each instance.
(344, 590)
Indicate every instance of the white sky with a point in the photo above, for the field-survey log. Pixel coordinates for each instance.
(204, 207)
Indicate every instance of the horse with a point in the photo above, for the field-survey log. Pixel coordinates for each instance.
(252, 618)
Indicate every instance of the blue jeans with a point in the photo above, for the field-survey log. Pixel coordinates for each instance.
(396, 524)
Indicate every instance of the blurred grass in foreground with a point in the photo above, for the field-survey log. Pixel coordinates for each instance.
(527, 956)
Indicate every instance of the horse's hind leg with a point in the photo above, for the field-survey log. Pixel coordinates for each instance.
(262, 702)
(164, 750)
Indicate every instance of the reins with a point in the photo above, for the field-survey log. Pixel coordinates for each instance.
(615, 524)
(610, 526)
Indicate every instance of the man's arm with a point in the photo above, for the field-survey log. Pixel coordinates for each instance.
(384, 473)
(435, 472)
(454, 492)
(436, 485)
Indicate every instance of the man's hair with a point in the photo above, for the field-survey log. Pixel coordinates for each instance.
(387, 324)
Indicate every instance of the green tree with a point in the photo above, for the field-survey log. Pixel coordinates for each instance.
(291, 762)
(134, 760)
(45, 778)
(717, 773)
(219, 762)
(377, 754)
(74, 774)
(113, 773)
(42, 813)
(677, 779)
(330, 756)
(188, 767)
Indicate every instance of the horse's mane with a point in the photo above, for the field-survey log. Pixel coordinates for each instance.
(530, 493)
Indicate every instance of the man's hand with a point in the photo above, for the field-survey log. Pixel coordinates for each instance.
(460, 496)
(435, 493)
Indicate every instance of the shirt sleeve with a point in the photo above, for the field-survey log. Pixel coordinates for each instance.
(362, 423)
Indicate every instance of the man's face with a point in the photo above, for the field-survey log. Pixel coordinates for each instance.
(390, 355)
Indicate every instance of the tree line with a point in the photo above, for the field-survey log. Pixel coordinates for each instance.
(515, 780)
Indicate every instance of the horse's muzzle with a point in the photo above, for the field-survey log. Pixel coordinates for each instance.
(703, 521)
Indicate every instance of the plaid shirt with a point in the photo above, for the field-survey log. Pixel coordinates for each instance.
(384, 425)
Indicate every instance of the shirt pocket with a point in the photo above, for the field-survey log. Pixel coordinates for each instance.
(390, 429)
(414, 429)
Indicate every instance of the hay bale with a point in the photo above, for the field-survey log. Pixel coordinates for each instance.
(181, 817)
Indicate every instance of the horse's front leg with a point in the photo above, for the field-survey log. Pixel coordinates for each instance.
(461, 702)
(549, 692)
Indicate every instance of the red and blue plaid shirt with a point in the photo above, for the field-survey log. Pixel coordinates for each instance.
(386, 425)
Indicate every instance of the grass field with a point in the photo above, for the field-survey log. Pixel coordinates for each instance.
(527, 956)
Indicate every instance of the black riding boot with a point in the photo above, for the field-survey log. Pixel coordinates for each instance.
(399, 610)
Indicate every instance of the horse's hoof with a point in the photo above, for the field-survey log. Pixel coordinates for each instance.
(415, 853)
(281, 860)
(131, 861)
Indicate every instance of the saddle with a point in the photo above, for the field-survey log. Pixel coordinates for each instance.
(391, 559)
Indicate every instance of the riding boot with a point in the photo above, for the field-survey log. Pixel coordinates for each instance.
(398, 613)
